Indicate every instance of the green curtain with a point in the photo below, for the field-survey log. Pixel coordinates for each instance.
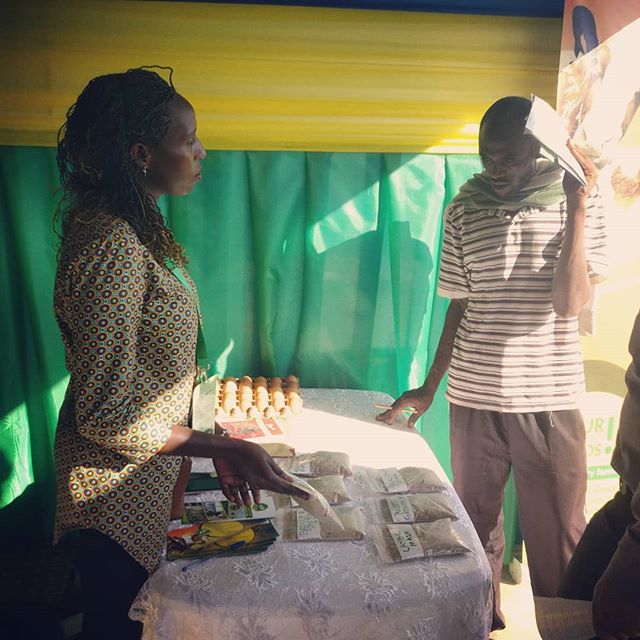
(319, 264)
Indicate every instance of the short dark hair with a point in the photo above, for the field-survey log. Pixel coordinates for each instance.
(97, 173)
(506, 116)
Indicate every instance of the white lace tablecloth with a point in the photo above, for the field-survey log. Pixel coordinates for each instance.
(328, 590)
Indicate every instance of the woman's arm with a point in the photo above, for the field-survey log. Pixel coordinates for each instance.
(248, 462)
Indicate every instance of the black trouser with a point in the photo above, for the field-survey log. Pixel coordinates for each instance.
(110, 579)
(596, 547)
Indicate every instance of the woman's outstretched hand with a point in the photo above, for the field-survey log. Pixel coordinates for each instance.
(249, 470)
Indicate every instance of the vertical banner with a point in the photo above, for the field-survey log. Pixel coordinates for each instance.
(599, 100)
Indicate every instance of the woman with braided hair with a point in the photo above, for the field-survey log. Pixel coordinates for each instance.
(129, 318)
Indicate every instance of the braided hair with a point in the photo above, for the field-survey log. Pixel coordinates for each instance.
(97, 173)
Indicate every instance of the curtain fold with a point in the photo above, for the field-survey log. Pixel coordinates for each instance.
(319, 264)
(33, 370)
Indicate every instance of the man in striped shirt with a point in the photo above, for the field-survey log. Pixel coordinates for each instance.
(522, 245)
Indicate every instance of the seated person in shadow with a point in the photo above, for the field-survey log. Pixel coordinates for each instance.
(605, 566)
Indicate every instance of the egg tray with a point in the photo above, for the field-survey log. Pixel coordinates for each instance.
(257, 397)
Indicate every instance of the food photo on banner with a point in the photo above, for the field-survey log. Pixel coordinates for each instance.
(599, 101)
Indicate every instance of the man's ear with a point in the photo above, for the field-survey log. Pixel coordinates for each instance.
(139, 153)
(534, 145)
(537, 149)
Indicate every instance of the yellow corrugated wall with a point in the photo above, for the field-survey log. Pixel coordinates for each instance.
(266, 77)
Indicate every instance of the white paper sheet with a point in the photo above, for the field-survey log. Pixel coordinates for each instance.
(545, 124)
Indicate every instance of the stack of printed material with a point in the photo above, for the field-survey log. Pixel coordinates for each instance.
(219, 538)
(210, 506)
(211, 525)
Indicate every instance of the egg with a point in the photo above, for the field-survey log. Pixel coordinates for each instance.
(228, 401)
(285, 412)
(292, 388)
(295, 404)
(245, 392)
(253, 412)
(277, 399)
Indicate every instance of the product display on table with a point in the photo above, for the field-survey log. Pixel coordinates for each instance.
(295, 524)
(402, 508)
(329, 587)
(403, 480)
(399, 542)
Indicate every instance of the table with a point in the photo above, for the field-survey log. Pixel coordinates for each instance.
(329, 590)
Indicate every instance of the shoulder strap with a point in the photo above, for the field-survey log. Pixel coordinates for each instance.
(202, 358)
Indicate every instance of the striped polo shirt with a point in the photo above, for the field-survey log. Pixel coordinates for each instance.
(512, 353)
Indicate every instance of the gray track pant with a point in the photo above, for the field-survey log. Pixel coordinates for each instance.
(548, 456)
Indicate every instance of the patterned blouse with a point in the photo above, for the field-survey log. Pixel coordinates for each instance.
(129, 329)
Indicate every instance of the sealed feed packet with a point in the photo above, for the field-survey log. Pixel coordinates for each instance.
(403, 508)
(403, 480)
(316, 504)
(278, 449)
(331, 487)
(400, 542)
(297, 525)
(320, 463)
